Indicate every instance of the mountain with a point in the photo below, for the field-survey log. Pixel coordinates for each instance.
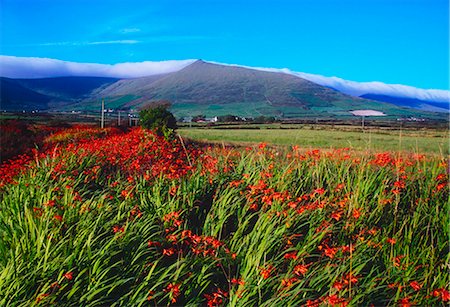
(213, 89)
(419, 104)
(47, 93)
(199, 88)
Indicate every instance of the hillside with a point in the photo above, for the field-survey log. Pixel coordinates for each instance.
(47, 93)
(212, 89)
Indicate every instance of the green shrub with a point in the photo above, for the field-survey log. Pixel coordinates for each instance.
(158, 119)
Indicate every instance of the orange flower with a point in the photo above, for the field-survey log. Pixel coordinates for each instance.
(391, 241)
(415, 285)
(404, 302)
(442, 293)
(300, 269)
(58, 217)
(68, 275)
(265, 273)
(338, 285)
(292, 256)
(237, 281)
(174, 290)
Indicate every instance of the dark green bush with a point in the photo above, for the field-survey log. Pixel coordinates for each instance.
(158, 119)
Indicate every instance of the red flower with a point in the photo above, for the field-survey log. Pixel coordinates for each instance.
(174, 290)
(169, 251)
(237, 281)
(292, 256)
(338, 285)
(117, 228)
(415, 285)
(300, 269)
(265, 273)
(356, 214)
(68, 275)
(319, 191)
(58, 217)
(336, 215)
(404, 302)
(391, 241)
(442, 293)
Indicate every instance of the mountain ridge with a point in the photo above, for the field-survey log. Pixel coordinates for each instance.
(199, 88)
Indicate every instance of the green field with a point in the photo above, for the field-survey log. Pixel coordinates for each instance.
(427, 141)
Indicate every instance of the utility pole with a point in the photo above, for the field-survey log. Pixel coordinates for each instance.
(363, 117)
(118, 119)
(103, 114)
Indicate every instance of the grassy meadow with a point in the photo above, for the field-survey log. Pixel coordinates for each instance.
(422, 141)
(128, 218)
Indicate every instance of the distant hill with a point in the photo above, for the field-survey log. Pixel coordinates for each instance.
(47, 93)
(200, 88)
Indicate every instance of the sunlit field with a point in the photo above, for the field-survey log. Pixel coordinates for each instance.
(127, 218)
(370, 139)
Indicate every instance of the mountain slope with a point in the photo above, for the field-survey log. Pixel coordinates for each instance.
(48, 93)
(212, 89)
(14, 96)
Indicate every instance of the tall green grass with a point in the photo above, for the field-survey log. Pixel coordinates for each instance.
(255, 227)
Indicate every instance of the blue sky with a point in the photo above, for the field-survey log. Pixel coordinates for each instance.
(393, 41)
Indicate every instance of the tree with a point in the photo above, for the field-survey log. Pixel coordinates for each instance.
(158, 119)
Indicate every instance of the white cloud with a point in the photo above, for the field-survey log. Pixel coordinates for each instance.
(130, 30)
(30, 67)
(111, 42)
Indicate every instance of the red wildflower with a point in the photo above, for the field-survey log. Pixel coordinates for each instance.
(42, 296)
(391, 241)
(319, 191)
(68, 275)
(58, 217)
(338, 285)
(174, 291)
(442, 293)
(292, 256)
(300, 269)
(335, 300)
(265, 273)
(415, 285)
(169, 251)
(50, 203)
(236, 281)
(330, 251)
(150, 295)
(336, 215)
(356, 213)
(216, 298)
(153, 243)
(404, 302)
(117, 228)
(397, 260)
(287, 282)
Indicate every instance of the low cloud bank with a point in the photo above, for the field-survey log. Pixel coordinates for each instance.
(30, 67)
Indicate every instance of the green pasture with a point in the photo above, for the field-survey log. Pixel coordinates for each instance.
(435, 142)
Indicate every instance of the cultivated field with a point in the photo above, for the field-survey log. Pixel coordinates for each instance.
(126, 218)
